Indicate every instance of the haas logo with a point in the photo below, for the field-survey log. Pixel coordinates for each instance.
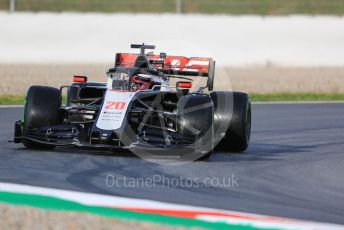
(115, 105)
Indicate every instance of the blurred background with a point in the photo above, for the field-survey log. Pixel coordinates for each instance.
(237, 7)
(271, 49)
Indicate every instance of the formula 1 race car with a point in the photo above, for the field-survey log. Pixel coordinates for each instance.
(140, 110)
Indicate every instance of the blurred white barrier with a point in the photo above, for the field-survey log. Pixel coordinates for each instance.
(232, 40)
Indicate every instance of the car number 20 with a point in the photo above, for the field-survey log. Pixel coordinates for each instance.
(115, 105)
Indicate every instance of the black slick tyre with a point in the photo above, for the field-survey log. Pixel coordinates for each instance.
(196, 114)
(41, 110)
(232, 120)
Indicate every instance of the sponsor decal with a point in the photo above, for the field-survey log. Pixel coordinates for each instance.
(114, 109)
(115, 105)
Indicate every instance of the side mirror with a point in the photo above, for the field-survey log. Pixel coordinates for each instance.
(183, 87)
(79, 79)
(163, 55)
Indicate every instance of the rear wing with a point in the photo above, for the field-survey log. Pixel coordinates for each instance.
(172, 65)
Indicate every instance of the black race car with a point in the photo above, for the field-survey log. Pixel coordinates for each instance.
(139, 109)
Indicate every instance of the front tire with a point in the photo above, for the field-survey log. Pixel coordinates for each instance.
(41, 110)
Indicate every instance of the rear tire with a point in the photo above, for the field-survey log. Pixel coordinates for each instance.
(237, 118)
(41, 110)
(196, 114)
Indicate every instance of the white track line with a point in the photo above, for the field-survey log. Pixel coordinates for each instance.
(133, 203)
(10, 106)
(295, 102)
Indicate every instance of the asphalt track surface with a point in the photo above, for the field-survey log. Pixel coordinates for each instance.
(293, 168)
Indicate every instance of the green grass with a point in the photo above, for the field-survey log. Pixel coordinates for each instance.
(297, 97)
(19, 100)
(258, 7)
(11, 100)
